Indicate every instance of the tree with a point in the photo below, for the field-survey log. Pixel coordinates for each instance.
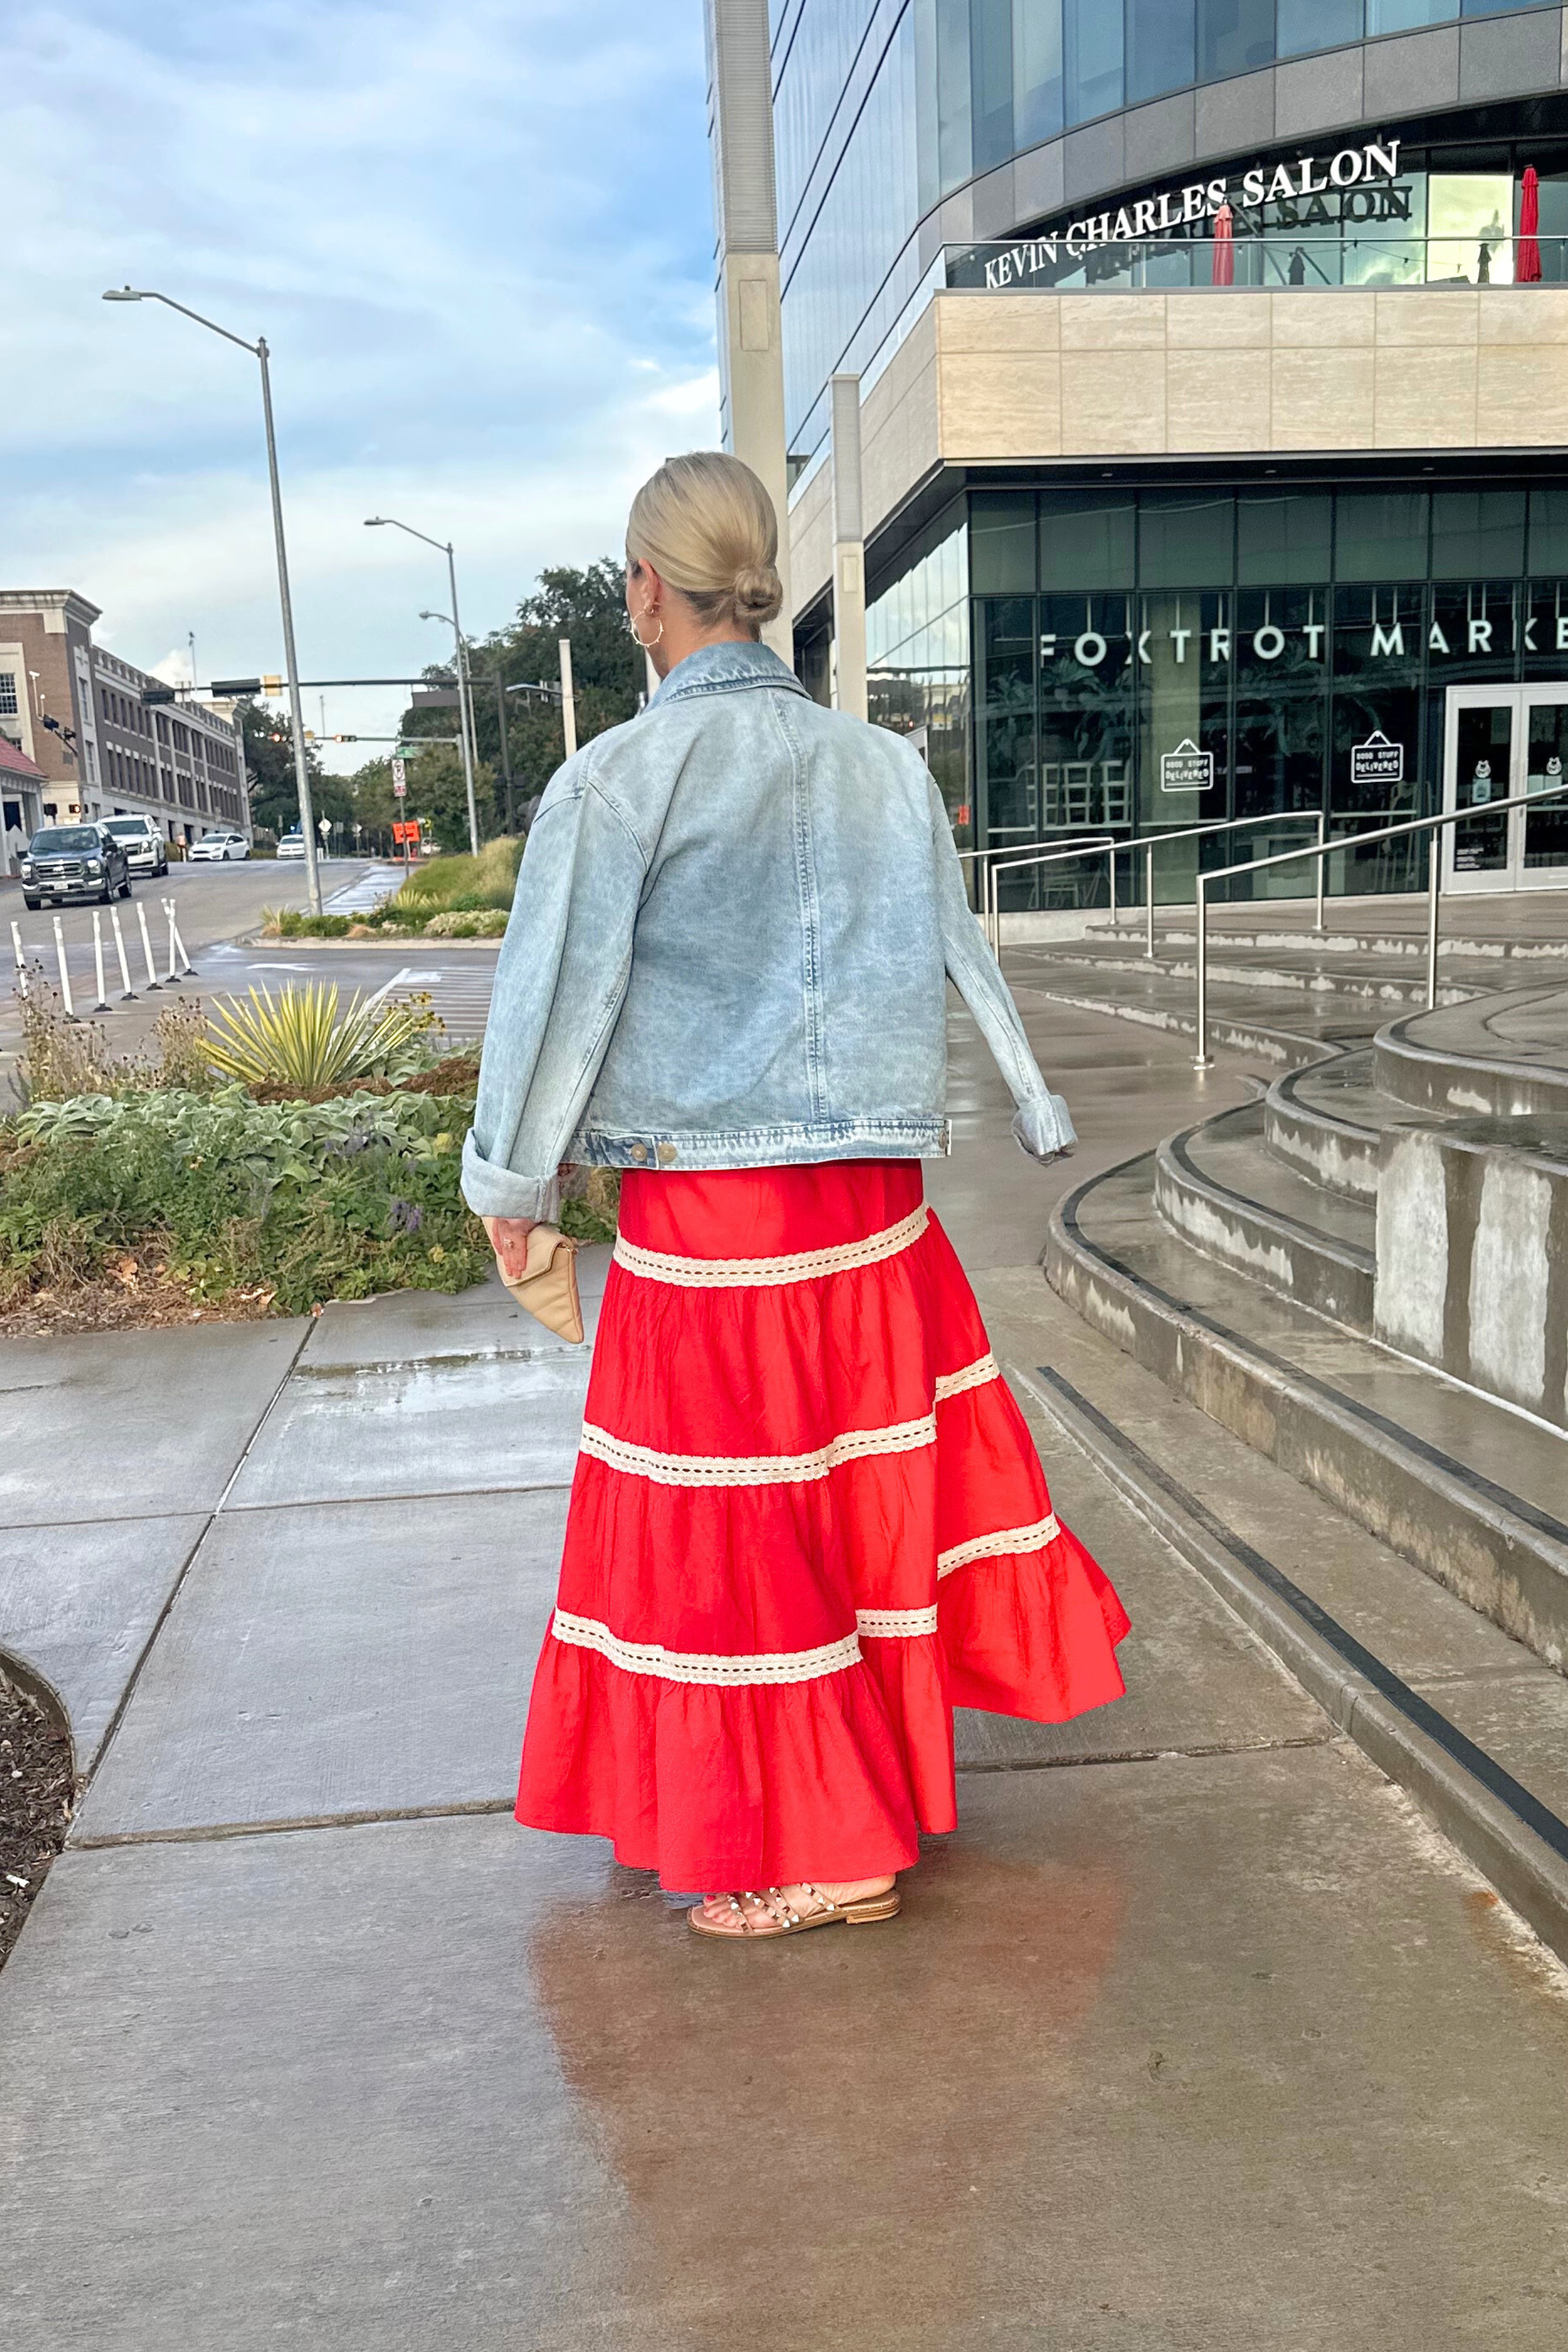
(589, 607)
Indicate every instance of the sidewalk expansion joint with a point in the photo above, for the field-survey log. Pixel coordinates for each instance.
(215, 1832)
(1326, 1738)
(433, 1494)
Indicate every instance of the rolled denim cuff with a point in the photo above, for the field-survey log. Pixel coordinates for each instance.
(492, 1192)
(1043, 1126)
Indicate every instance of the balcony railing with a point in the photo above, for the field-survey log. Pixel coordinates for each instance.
(1369, 258)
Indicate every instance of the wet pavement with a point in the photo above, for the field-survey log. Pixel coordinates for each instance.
(1193, 2037)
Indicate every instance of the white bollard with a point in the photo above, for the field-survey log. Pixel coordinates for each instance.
(103, 1003)
(187, 968)
(65, 975)
(127, 992)
(22, 988)
(170, 979)
(146, 946)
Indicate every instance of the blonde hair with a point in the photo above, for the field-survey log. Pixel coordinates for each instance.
(706, 525)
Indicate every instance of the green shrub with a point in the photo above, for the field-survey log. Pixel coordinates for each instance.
(289, 923)
(454, 884)
(335, 1199)
(298, 1035)
(489, 924)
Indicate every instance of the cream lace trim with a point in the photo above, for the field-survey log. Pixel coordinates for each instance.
(756, 1273)
(690, 1666)
(997, 1546)
(781, 1469)
(895, 1624)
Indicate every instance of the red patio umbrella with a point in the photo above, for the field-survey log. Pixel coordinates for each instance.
(1224, 258)
(1527, 252)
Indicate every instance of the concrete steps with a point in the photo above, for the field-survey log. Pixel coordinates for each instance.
(1505, 1056)
(1326, 1122)
(1391, 1443)
(1221, 1187)
(1362, 976)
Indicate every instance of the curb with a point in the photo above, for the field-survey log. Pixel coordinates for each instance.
(1514, 1840)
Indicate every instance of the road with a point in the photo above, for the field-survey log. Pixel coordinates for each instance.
(218, 909)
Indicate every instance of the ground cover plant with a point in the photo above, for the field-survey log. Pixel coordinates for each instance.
(289, 1152)
(449, 897)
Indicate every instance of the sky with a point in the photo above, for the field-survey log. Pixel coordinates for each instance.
(479, 240)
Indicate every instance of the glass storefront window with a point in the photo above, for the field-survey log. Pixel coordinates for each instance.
(1009, 757)
(1286, 536)
(1186, 539)
(1281, 700)
(1472, 633)
(1475, 532)
(1001, 543)
(1545, 630)
(1469, 223)
(1086, 539)
(1380, 534)
(1548, 528)
(1086, 661)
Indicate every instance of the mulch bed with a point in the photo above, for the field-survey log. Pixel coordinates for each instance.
(37, 1793)
(140, 1300)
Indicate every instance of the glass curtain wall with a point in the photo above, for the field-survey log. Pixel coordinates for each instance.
(918, 669)
(1148, 660)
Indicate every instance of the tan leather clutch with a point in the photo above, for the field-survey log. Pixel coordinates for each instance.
(548, 1287)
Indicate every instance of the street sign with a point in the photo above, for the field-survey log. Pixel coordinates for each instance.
(1377, 760)
(434, 698)
(1186, 769)
(399, 778)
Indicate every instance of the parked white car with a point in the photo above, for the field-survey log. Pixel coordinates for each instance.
(146, 851)
(292, 845)
(215, 847)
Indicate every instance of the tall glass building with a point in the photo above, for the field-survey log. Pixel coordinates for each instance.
(1214, 380)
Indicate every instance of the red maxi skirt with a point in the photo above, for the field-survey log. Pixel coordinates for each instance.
(806, 1522)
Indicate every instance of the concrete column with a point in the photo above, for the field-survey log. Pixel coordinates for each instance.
(849, 547)
(751, 356)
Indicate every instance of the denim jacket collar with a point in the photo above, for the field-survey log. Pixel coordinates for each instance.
(726, 669)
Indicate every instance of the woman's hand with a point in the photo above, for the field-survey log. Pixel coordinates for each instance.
(509, 1240)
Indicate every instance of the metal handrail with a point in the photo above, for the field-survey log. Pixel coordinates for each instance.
(1148, 843)
(1323, 850)
(989, 922)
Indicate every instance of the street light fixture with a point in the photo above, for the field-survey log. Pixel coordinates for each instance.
(258, 350)
(466, 708)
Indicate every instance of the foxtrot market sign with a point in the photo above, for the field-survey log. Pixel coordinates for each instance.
(1186, 769)
(1399, 639)
(1377, 760)
(1355, 184)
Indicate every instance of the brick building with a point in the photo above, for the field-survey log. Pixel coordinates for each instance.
(106, 743)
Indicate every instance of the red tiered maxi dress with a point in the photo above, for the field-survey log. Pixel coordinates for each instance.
(806, 1522)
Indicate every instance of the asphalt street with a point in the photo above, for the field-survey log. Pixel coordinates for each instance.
(218, 912)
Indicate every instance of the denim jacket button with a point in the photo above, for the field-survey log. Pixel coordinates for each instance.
(668, 1155)
(639, 1154)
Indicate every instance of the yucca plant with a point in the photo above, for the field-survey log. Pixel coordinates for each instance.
(298, 1038)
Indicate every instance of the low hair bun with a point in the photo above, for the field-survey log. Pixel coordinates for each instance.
(758, 593)
(707, 526)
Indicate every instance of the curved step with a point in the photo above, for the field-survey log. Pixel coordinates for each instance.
(1217, 1186)
(1326, 1123)
(1496, 1057)
(1388, 1442)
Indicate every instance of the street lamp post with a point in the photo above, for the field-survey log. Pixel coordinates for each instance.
(258, 352)
(465, 704)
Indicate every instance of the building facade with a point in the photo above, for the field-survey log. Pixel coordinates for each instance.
(1214, 377)
(107, 738)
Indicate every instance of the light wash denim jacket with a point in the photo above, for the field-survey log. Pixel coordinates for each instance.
(734, 925)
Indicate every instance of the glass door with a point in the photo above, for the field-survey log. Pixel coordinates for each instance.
(1506, 743)
(1477, 769)
(1544, 832)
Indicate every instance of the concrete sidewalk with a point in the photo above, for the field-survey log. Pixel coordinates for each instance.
(1194, 2037)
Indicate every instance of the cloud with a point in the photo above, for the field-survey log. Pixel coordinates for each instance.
(479, 240)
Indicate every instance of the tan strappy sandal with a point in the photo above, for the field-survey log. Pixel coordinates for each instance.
(863, 1912)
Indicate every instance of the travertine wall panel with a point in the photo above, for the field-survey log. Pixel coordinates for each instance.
(991, 379)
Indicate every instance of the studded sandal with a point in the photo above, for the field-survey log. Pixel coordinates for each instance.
(864, 1911)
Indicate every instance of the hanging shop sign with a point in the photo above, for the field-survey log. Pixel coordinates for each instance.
(1377, 760)
(1353, 184)
(1186, 769)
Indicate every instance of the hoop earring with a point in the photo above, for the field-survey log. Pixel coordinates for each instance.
(647, 644)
